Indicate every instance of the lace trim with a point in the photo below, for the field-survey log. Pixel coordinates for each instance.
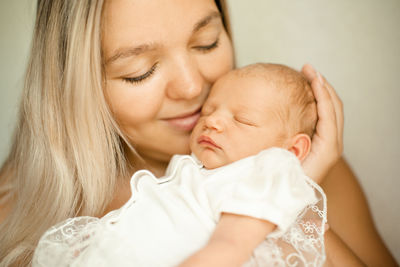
(301, 245)
(64, 242)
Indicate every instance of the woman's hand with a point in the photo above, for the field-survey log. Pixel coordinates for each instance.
(327, 142)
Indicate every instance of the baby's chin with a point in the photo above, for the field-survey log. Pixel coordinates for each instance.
(211, 165)
(209, 159)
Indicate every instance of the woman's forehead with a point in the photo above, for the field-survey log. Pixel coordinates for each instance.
(128, 23)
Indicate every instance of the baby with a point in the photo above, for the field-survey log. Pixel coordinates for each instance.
(248, 110)
(238, 198)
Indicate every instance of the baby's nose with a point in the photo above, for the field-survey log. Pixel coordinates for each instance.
(215, 122)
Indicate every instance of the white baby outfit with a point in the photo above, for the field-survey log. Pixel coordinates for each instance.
(168, 219)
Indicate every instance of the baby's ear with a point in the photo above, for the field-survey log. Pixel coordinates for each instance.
(300, 145)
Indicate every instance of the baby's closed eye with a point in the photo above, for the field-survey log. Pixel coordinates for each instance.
(244, 120)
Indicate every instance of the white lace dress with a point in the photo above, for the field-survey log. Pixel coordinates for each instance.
(168, 219)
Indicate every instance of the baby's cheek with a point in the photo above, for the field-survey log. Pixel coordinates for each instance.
(194, 146)
(241, 151)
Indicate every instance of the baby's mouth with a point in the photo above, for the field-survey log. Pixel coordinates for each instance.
(207, 141)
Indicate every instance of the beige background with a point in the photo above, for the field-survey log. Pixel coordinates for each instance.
(355, 44)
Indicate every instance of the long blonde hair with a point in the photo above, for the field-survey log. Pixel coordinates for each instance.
(67, 151)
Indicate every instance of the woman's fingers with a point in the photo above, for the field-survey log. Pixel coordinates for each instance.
(327, 123)
(326, 127)
(338, 104)
(326, 144)
(310, 73)
(326, 228)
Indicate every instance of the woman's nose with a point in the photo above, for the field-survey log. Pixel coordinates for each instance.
(186, 80)
(214, 122)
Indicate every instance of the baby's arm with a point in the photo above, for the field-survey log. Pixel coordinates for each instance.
(232, 243)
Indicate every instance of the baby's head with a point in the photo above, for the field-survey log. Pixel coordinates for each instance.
(254, 108)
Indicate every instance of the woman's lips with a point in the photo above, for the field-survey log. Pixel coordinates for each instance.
(207, 141)
(185, 122)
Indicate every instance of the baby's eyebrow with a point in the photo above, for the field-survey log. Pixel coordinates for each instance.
(248, 112)
(240, 108)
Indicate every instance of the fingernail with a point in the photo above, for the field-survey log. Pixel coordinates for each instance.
(326, 228)
(320, 78)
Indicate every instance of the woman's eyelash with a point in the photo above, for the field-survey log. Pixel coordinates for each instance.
(208, 47)
(141, 78)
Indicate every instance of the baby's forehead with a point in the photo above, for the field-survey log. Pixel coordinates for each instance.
(247, 94)
(250, 84)
(283, 79)
(268, 73)
(277, 85)
(244, 86)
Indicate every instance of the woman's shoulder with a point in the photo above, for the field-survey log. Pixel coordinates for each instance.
(62, 244)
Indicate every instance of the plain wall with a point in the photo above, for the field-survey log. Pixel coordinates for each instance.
(16, 26)
(355, 44)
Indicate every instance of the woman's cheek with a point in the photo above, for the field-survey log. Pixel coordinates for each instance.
(133, 104)
(216, 64)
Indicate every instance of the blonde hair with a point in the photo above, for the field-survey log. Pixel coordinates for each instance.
(67, 151)
(297, 109)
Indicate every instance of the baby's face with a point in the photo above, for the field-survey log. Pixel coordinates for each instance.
(238, 119)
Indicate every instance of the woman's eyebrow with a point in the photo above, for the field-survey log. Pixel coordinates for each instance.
(130, 51)
(136, 50)
(205, 21)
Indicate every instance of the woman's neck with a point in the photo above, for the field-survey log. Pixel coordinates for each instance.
(122, 190)
(157, 167)
(140, 162)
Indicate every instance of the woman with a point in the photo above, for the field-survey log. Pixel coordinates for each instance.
(117, 86)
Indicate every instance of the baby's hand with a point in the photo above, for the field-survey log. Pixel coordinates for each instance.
(327, 142)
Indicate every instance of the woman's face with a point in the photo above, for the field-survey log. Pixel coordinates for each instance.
(161, 58)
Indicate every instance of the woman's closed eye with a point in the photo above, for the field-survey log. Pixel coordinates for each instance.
(206, 48)
(142, 77)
